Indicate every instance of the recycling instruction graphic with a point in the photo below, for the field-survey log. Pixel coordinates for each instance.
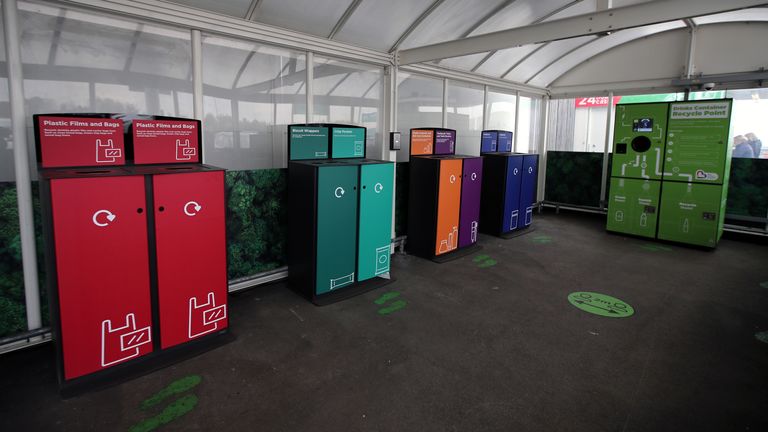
(80, 141)
(697, 142)
(601, 304)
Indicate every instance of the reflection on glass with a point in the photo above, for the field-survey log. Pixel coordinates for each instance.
(84, 62)
(465, 114)
(419, 104)
(501, 111)
(349, 93)
(750, 109)
(251, 93)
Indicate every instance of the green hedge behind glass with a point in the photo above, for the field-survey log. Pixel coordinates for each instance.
(256, 237)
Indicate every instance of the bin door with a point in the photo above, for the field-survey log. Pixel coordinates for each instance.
(336, 227)
(102, 264)
(376, 184)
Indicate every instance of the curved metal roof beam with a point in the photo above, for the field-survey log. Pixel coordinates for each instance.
(344, 18)
(572, 50)
(610, 49)
(523, 59)
(415, 24)
(485, 18)
(585, 60)
(252, 10)
(536, 21)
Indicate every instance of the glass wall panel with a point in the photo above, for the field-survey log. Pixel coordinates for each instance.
(528, 125)
(251, 93)
(748, 125)
(350, 93)
(501, 110)
(419, 104)
(465, 114)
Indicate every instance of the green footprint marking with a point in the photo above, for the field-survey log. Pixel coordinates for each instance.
(480, 258)
(762, 336)
(655, 247)
(178, 408)
(176, 387)
(542, 239)
(487, 263)
(395, 306)
(386, 297)
(764, 285)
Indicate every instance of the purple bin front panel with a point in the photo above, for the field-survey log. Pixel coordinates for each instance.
(445, 141)
(469, 216)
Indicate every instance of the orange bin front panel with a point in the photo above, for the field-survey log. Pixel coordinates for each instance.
(448, 203)
(422, 141)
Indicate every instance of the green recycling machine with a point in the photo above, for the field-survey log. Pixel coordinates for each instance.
(669, 175)
(339, 213)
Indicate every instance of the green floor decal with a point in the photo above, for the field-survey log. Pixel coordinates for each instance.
(484, 261)
(386, 297)
(396, 306)
(480, 257)
(175, 409)
(652, 247)
(762, 336)
(601, 304)
(764, 285)
(176, 387)
(487, 263)
(542, 239)
(178, 408)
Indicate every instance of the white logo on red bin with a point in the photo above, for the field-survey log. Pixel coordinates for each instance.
(103, 218)
(192, 208)
(107, 153)
(204, 318)
(122, 343)
(184, 151)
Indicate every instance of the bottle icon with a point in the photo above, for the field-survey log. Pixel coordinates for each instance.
(644, 219)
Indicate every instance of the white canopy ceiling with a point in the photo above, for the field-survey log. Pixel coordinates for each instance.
(402, 24)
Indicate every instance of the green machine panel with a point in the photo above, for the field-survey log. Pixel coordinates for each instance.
(698, 147)
(691, 213)
(307, 142)
(347, 142)
(633, 206)
(638, 140)
(336, 226)
(376, 182)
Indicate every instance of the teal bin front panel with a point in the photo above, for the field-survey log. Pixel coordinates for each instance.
(376, 187)
(336, 227)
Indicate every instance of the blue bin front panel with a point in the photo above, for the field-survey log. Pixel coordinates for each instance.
(512, 217)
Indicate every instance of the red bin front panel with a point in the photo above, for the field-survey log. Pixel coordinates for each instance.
(191, 255)
(100, 233)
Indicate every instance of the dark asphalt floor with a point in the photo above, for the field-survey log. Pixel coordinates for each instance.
(485, 343)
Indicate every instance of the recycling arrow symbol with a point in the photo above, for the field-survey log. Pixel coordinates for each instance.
(339, 192)
(192, 208)
(110, 217)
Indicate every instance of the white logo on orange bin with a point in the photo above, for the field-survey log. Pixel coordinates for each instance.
(204, 318)
(184, 151)
(107, 153)
(122, 343)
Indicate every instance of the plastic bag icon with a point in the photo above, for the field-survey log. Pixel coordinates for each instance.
(204, 318)
(122, 343)
(184, 151)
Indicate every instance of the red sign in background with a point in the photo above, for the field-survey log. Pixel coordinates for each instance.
(595, 101)
(165, 141)
(80, 141)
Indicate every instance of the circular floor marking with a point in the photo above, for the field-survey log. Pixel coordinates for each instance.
(600, 304)
(762, 336)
